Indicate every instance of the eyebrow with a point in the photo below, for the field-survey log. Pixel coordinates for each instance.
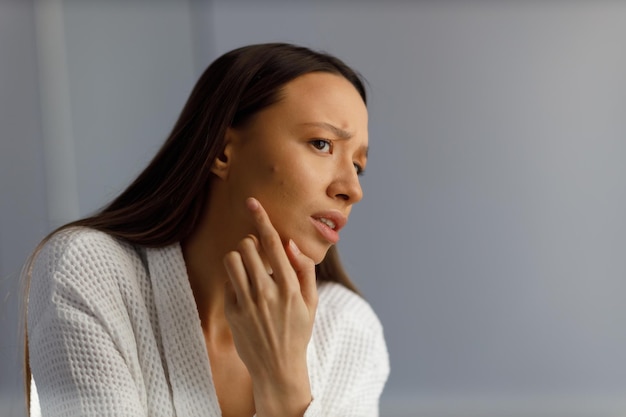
(343, 134)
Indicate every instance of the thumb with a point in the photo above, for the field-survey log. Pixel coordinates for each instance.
(305, 270)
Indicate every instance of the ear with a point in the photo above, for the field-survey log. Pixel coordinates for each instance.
(221, 163)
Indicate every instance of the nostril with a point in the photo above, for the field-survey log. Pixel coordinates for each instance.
(343, 196)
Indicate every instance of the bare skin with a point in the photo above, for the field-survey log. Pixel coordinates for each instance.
(229, 371)
(251, 262)
(266, 326)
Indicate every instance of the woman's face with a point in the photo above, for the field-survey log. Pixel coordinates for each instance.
(301, 158)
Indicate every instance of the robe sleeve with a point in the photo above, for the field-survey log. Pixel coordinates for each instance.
(79, 350)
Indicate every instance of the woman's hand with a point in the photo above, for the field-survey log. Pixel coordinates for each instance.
(271, 316)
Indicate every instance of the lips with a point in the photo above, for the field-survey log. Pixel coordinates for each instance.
(328, 224)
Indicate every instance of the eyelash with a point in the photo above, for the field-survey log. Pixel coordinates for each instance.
(329, 143)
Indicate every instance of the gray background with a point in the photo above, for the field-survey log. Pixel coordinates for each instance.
(492, 237)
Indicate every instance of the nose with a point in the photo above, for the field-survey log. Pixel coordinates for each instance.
(346, 184)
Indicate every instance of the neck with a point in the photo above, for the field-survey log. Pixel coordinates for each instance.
(203, 252)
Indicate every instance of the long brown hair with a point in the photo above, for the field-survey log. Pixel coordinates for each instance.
(164, 204)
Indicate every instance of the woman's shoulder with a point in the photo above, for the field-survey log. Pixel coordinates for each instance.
(348, 336)
(81, 252)
(339, 306)
(82, 242)
(83, 268)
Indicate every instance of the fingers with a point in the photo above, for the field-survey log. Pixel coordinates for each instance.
(230, 298)
(289, 269)
(239, 282)
(270, 241)
(270, 314)
(258, 276)
(305, 271)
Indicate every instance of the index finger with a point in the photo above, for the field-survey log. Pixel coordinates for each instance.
(269, 239)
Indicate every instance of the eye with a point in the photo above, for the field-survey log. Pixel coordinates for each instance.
(323, 145)
(359, 169)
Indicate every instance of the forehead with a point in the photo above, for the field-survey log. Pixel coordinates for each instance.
(321, 97)
(314, 81)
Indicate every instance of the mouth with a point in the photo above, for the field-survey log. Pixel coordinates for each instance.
(328, 224)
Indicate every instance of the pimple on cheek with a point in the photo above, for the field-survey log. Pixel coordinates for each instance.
(277, 175)
(282, 178)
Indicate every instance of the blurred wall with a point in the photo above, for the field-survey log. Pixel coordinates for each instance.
(89, 92)
(491, 240)
(23, 217)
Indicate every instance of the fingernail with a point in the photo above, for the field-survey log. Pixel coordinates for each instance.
(294, 247)
(252, 203)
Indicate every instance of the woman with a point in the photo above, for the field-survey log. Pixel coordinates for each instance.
(211, 285)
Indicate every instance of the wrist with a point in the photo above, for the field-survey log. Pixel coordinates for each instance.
(283, 395)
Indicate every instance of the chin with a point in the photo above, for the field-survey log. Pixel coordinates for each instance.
(317, 254)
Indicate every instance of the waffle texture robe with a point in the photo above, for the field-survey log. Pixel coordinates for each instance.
(113, 330)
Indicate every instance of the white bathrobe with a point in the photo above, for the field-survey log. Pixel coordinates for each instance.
(113, 330)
